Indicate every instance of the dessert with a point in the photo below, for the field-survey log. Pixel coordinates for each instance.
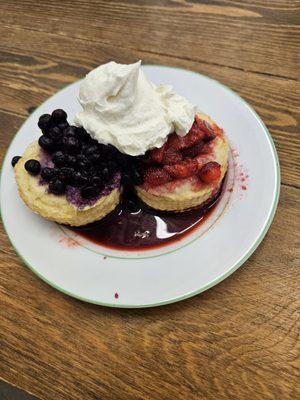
(131, 135)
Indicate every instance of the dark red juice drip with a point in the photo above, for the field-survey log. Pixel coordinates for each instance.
(133, 226)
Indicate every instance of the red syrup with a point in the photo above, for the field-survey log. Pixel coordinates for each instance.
(133, 226)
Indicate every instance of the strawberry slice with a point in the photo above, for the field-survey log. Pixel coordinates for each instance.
(204, 126)
(192, 137)
(182, 170)
(156, 176)
(210, 172)
(176, 142)
(200, 130)
(171, 157)
(194, 150)
(157, 154)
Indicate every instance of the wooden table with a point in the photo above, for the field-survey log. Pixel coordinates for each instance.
(240, 339)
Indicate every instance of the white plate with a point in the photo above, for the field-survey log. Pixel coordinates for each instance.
(143, 279)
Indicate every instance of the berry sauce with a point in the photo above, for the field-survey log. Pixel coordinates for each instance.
(134, 227)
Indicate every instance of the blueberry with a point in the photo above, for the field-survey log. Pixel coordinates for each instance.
(111, 148)
(63, 125)
(65, 174)
(58, 116)
(92, 171)
(82, 134)
(71, 144)
(47, 129)
(111, 151)
(46, 143)
(33, 167)
(58, 153)
(91, 150)
(122, 160)
(70, 131)
(84, 166)
(96, 181)
(102, 148)
(59, 158)
(138, 159)
(126, 180)
(85, 172)
(49, 173)
(100, 167)
(112, 166)
(137, 177)
(94, 158)
(78, 180)
(44, 121)
(84, 147)
(55, 133)
(81, 158)
(70, 160)
(14, 160)
(89, 192)
(105, 174)
(56, 186)
(93, 142)
(67, 170)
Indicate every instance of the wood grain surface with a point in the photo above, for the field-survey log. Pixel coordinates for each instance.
(240, 339)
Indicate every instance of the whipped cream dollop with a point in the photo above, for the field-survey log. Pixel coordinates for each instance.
(123, 108)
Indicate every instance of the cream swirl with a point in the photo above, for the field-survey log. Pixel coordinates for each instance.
(123, 108)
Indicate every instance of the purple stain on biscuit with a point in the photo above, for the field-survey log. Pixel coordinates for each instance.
(73, 194)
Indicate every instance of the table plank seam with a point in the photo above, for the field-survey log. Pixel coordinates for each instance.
(108, 43)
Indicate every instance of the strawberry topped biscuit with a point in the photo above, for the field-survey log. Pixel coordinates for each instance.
(186, 171)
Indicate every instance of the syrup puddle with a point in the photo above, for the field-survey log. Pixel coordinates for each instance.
(142, 228)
